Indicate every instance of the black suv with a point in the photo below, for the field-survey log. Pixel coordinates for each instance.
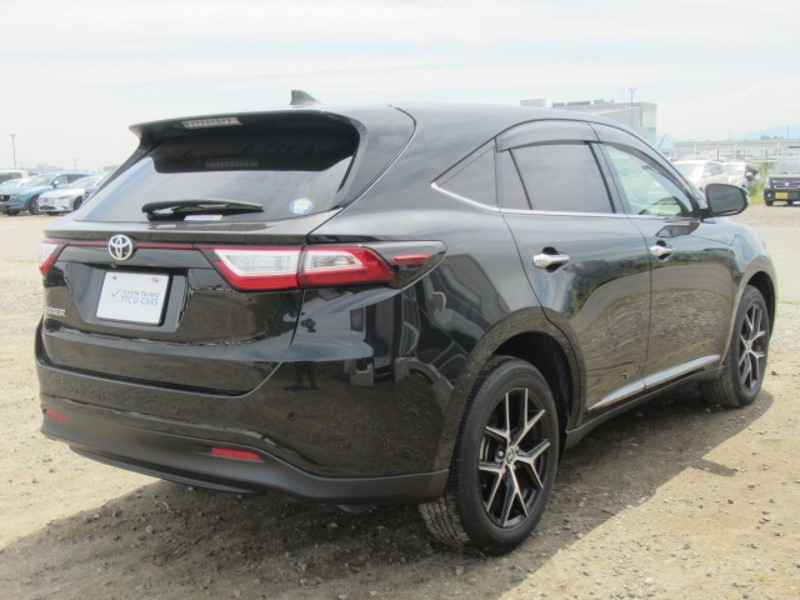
(783, 184)
(423, 304)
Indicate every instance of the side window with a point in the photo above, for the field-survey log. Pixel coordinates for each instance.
(562, 178)
(60, 180)
(647, 188)
(512, 194)
(473, 178)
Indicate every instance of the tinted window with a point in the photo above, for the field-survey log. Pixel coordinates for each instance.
(563, 178)
(647, 188)
(473, 178)
(289, 172)
(512, 194)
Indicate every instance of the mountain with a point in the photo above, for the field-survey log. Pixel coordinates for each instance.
(783, 131)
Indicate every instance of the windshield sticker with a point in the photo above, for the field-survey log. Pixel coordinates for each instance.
(301, 206)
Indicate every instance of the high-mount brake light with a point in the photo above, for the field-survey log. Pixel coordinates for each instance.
(281, 268)
(48, 252)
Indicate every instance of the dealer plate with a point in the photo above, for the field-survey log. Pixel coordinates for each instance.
(133, 297)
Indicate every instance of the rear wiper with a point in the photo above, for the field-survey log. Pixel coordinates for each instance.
(170, 209)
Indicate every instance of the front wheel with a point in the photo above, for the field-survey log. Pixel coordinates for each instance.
(504, 464)
(746, 363)
(33, 206)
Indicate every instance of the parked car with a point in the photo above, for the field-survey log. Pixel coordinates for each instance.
(410, 304)
(10, 185)
(64, 200)
(27, 197)
(783, 184)
(11, 174)
(702, 172)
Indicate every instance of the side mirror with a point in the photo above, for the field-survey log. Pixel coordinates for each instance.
(725, 199)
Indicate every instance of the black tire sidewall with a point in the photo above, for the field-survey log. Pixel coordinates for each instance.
(508, 375)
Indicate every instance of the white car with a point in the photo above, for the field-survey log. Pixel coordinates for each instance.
(700, 172)
(12, 175)
(67, 199)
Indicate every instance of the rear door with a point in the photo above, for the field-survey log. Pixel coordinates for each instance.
(586, 261)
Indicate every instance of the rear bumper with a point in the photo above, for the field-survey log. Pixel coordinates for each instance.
(139, 444)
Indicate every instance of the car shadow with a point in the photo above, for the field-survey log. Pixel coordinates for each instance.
(166, 540)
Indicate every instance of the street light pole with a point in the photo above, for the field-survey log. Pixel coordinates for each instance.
(14, 149)
(632, 90)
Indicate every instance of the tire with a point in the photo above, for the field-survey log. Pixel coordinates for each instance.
(33, 206)
(745, 365)
(77, 204)
(504, 463)
(768, 202)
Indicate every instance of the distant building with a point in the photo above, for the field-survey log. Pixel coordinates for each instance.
(639, 116)
(764, 149)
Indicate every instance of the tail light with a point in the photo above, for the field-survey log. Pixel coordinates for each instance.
(281, 268)
(48, 253)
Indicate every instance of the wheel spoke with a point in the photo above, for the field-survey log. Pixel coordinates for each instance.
(498, 471)
(513, 496)
(498, 434)
(529, 424)
(529, 460)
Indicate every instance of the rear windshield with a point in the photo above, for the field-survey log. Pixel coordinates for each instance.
(290, 171)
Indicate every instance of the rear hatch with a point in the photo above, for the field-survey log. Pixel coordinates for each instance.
(185, 270)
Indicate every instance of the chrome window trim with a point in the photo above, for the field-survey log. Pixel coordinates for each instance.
(464, 199)
(519, 211)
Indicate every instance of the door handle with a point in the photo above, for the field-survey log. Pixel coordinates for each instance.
(547, 261)
(661, 250)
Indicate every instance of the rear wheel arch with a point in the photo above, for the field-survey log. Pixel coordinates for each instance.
(528, 335)
(548, 356)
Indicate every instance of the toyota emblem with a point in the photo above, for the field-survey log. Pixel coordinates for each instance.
(120, 247)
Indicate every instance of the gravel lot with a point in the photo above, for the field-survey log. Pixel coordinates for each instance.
(675, 500)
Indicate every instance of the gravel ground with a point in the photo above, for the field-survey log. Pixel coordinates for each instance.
(677, 499)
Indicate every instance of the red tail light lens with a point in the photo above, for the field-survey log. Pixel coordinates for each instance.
(323, 266)
(48, 252)
(293, 267)
(259, 268)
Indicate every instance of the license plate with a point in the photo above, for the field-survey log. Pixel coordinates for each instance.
(133, 297)
(781, 195)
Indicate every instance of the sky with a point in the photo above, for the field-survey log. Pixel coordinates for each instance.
(74, 75)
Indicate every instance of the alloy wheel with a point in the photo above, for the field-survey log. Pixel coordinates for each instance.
(515, 450)
(752, 348)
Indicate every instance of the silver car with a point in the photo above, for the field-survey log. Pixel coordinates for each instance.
(701, 172)
(66, 200)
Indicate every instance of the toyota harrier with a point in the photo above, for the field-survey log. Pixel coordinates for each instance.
(397, 304)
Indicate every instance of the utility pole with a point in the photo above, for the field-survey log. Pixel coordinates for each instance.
(14, 149)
